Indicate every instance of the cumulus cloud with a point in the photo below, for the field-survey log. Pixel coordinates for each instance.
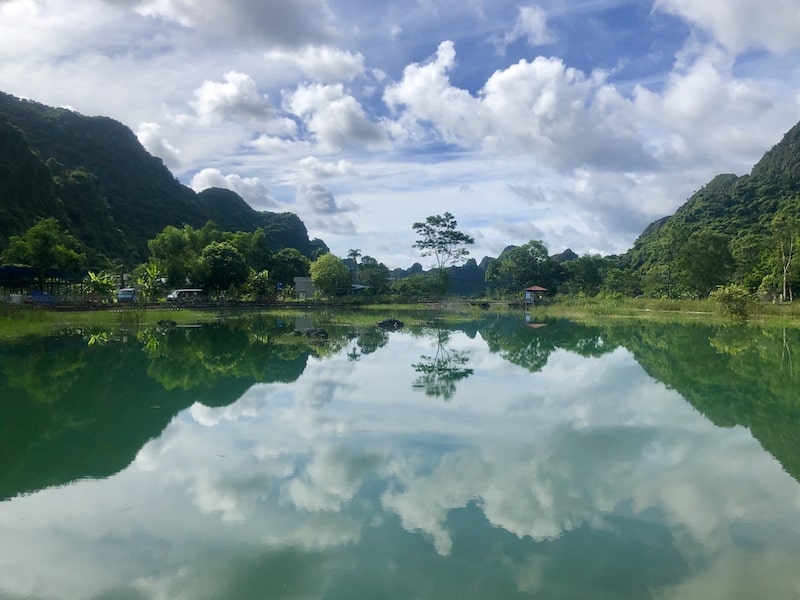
(235, 98)
(314, 168)
(282, 23)
(254, 192)
(149, 135)
(541, 107)
(336, 119)
(742, 24)
(322, 63)
(700, 100)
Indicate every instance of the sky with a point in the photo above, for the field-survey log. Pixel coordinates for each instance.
(573, 122)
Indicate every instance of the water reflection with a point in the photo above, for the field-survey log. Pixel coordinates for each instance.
(439, 373)
(567, 464)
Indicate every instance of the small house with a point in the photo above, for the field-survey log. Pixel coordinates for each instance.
(304, 288)
(535, 294)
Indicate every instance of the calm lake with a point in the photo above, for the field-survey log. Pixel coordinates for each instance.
(484, 458)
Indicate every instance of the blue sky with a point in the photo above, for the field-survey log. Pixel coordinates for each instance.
(573, 122)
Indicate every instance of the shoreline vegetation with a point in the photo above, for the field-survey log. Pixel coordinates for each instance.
(22, 321)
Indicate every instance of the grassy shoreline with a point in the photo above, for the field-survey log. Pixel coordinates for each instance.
(18, 322)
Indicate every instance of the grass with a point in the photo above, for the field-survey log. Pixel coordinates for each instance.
(18, 321)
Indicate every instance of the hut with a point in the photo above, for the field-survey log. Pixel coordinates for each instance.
(534, 294)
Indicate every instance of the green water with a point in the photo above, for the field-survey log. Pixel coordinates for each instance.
(483, 459)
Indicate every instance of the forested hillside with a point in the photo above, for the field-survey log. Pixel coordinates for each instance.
(730, 230)
(94, 176)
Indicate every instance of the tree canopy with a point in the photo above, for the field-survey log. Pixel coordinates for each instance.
(46, 246)
(330, 275)
(440, 238)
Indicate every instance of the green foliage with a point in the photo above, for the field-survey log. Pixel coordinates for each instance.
(46, 246)
(440, 238)
(374, 275)
(177, 254)
(222, 266)
(93, 176)
(330, 275)
(734, 300)
(261, 285)
(148, 277)
(101, 284)
(741, 209)
(288, 264)
(415, 287)
(705, 261)
(521, 266)
(786, 231)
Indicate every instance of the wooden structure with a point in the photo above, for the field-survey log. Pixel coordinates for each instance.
(534, 294)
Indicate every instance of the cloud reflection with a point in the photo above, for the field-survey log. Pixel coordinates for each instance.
(312, 467)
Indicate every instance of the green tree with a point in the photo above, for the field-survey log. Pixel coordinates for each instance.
(330, 275)
(440, 238)
(46, 246)
(223, 266)
(733, 299)
(374, 275)
(419, 286)
(622, 281)
(522, 266)
(149, 279)
(705, 261)
(102, 284)
(585, 274)
(177, 254)
(786, 230)
(288, 264)
(261, 285)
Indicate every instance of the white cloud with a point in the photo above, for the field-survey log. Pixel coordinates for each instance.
(235, 98)
(149, 135)
(541, 107)
(322, 63)
(254, 192)
(532, 25)
(336, 119)
(695, 110)
(742, 24)
(314, 168)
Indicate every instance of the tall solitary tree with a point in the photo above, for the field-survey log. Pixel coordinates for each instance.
(440, 238)
(354, 254)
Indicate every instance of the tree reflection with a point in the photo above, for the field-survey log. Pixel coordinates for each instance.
(440, 373)
(530, 347)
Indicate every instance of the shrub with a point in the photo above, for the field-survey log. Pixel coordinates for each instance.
(733, 300)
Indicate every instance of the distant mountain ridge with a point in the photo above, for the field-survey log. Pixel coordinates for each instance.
(94, 176)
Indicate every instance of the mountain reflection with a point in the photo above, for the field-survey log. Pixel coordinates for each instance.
(93, 399)
(240, 460)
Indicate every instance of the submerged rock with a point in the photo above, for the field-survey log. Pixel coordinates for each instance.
(390, 324)
(315, 333)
